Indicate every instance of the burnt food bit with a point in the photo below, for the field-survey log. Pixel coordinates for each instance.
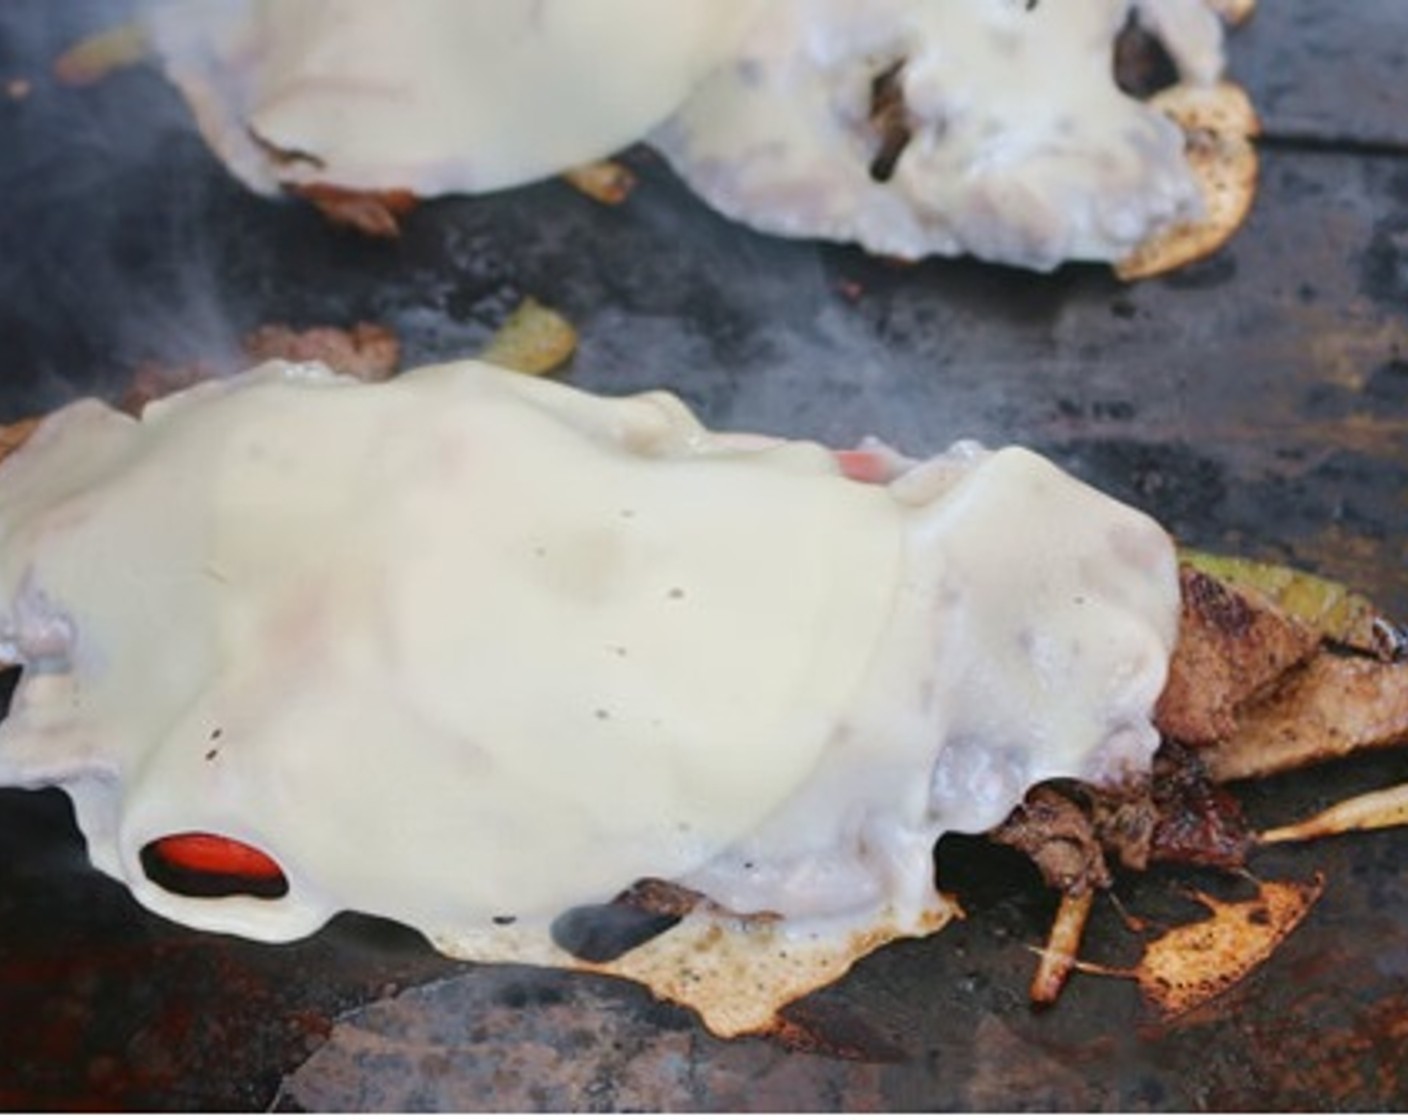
(1195, 821)
(1055, 832)
(889, 116)
(1179, 816)
(660, 896)
(602, 933)
(1143, 65)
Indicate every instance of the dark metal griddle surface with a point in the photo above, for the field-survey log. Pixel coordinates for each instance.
(1256, 402)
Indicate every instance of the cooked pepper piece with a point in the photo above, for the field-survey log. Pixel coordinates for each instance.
(206, 853)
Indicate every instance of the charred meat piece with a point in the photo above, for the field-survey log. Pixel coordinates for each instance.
(1325, 709)
(1057, 833)
(1231, 644)
(1195, 821)
(660, 896)
(1254, 688)
(1179, 816)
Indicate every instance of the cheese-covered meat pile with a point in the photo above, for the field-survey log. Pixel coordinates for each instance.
(991, 127)
(1012, 141)
(469, 650)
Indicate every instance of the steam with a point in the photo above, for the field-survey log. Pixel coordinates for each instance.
(105, 256)
(124, 241)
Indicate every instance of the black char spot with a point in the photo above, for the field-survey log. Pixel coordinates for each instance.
(603, 933)
(1142, 64)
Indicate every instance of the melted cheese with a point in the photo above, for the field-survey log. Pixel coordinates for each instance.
(433, 96)
(1023, 150)
(467, 645)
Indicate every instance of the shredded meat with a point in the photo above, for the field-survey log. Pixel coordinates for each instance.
(1178, 816)
(1251, 691)
(1231, 644)
(1124, 819)
(368, 351)
(1058, 835)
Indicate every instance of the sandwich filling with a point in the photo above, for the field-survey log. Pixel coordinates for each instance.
(468, 650)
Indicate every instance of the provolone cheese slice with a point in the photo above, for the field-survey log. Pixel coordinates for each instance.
(469, 649)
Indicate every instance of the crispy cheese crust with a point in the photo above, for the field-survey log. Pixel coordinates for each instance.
(1220, 124)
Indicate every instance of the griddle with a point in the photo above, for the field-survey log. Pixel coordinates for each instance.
(1256, 402)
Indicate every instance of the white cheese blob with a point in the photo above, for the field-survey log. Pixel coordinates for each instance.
(1021, 148)
(468, 645)
(433, 96)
